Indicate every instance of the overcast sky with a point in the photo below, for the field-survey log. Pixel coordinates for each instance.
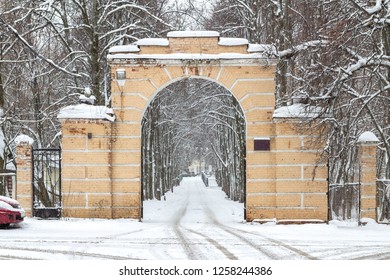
(205, 5)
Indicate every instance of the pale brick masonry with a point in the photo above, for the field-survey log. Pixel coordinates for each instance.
(102, 156)
(24, 174)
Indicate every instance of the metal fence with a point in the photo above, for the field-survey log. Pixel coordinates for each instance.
(46, 183)
(383, 189)
(344, 201)
(205, 179)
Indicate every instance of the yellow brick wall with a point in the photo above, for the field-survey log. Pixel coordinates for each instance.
(154, 49)
(194, 45)
(102, 175)
(24, 177)
(304, 186)
(368, 199)
(86, 168)
(288, 182)
(289, 158)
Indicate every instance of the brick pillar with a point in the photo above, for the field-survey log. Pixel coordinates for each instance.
(24, 174)
(367, 159)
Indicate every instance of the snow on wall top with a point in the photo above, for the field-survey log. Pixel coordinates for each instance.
(164, 42)
(297, 111)
(232, 41)
(186, 56)
(153, 42)
(23, 139)
(190, 34)
(367, 136)
(86, 111)
(124, 49)
(131, 51)
(261, 48)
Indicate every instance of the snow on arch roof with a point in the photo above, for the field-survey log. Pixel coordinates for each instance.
(153, 42)
(124, 49)
(189, 34)
(223, 41)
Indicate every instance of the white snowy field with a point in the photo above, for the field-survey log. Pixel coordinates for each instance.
(193, 223)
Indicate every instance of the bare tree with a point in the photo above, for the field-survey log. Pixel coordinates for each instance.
(193, 120)
(51, 50)
(335, 54)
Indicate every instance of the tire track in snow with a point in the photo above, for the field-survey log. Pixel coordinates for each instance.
(233, 231)
(258, 247)
(65, 252)
(375, 256)
(9, 257)
(348, 252)
(185, 242)
(215, 243)
(282, 244)
(114, 236)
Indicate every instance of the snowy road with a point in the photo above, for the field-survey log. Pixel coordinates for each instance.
(194, 222)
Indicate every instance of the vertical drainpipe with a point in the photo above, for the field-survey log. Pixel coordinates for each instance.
(111, 171)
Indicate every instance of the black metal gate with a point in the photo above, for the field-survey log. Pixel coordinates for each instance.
(344, 202)
(383, 188)
(344, 197)
(46, 183)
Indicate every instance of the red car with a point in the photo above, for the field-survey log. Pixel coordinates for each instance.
(10, 211)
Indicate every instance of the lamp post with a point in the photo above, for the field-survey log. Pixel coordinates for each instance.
(121, 78)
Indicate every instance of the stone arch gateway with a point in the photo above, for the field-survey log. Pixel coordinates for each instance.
(102, 150)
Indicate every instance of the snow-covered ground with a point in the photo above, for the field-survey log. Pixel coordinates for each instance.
(193, 223)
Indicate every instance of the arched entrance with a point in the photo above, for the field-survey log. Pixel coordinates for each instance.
(102, 154)
(140, 71)
(193, 128)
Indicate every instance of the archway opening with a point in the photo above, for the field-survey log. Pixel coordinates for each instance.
(194, 128)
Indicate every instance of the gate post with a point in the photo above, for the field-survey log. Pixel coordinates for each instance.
(367, 145)
(24, 172)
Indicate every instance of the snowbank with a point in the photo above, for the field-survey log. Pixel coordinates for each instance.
(86, 111)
